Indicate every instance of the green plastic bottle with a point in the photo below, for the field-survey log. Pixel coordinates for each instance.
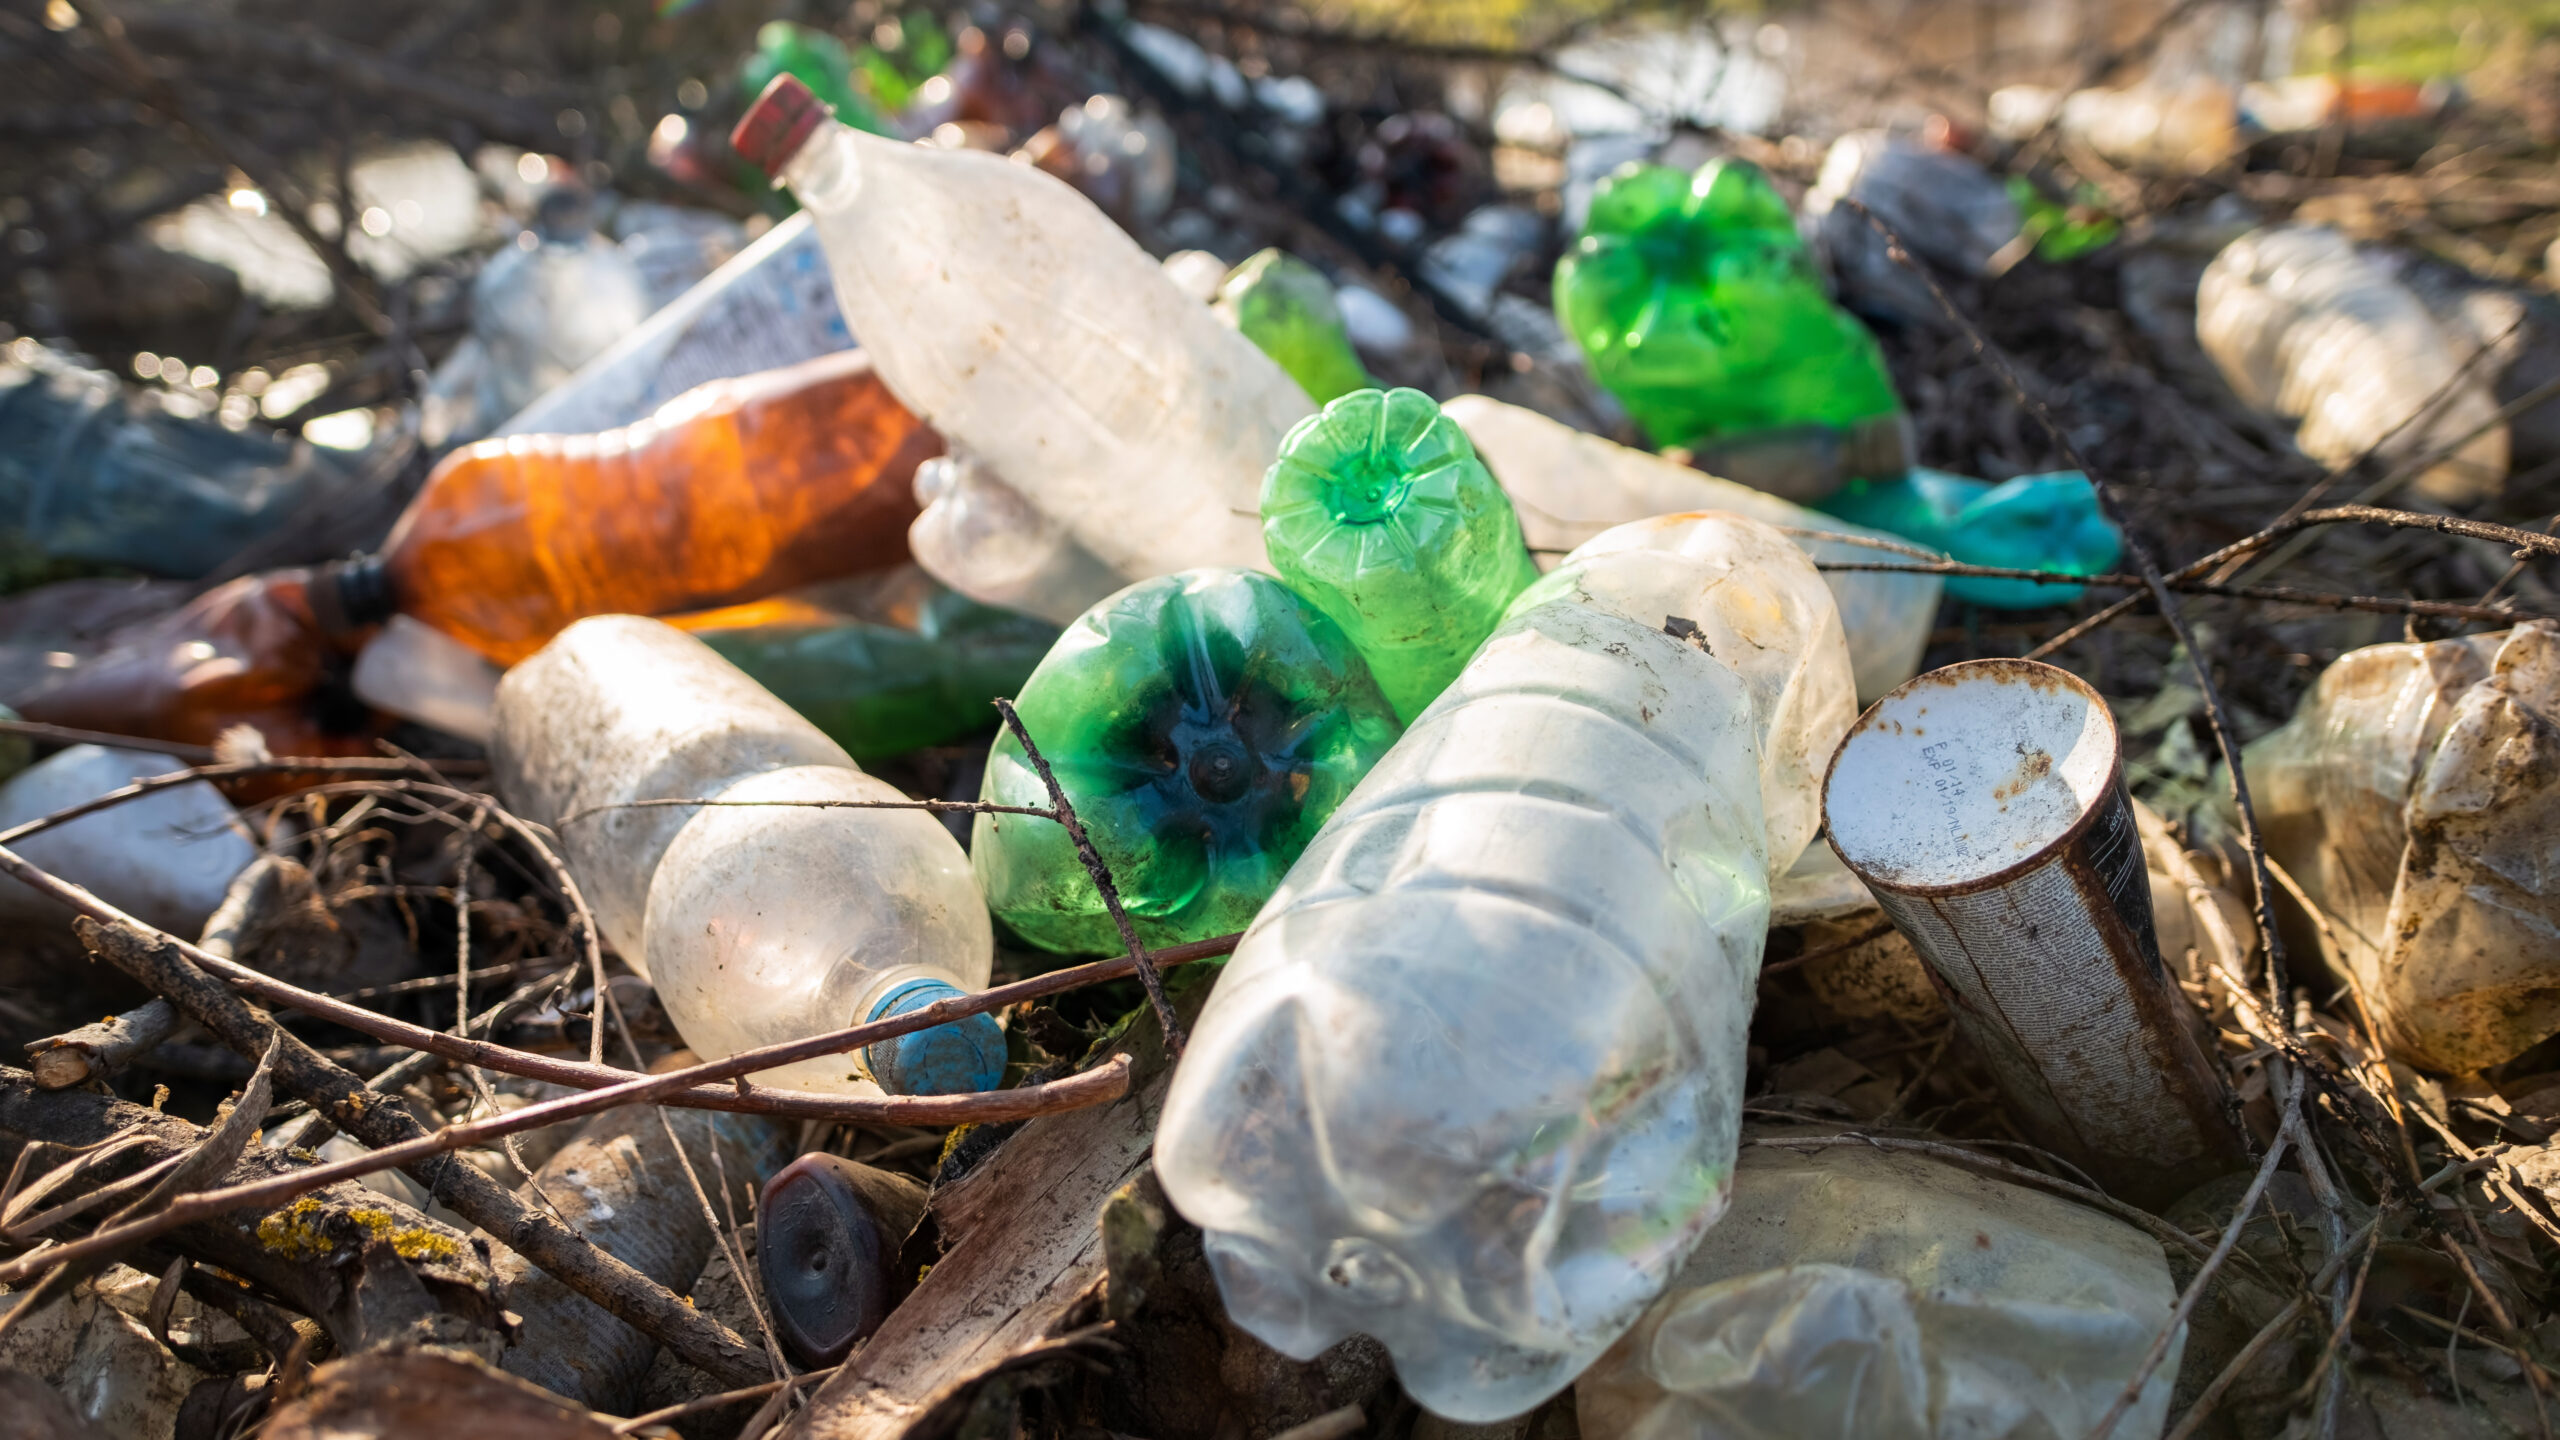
(1697, 305)
(1285, 307)
(821, 62)
(1379, 512)
(2032, 522)
(1203, 724)
(881, 690)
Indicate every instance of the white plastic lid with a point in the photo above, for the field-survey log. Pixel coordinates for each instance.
(1967, 773)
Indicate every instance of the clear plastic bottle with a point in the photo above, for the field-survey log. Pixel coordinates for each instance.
(543, 307)
(2302, 325)
(981, 537)
(1379, 513)
(1473, 1082)
(756, 923)
(1030, 330)
(1568, 486)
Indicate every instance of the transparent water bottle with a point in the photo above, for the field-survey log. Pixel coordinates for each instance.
(757, 923)
(547, 305)
(1031, 331)
(1472, 1084)
(983, 538)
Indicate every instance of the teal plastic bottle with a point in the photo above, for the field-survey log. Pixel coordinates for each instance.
(1697, 305)
(1379, 513)
(1203, 724)
(2034, 522)
(1285, 307)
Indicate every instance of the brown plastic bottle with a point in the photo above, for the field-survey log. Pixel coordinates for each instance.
(245, 653)
(734, 490)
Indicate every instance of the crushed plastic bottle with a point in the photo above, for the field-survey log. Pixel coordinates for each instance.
(981, 537)
(1947, 209)
(1472, 1084)
(165, 858)
(757, 923)
(2411, 798)
(1858, 1292)
(1698, 307)
(1379, 513)
(1019, 321)
(1285, 306)
(2030, 522)
(94, 475)
(1567, 486)
(1204, 725)
(734, 491)
(546, 305)
(2302, 325)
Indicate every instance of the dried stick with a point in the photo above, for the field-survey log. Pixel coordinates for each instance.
(2224, 738)
(98, 1051)
(1101, 874)
(400, 1142)
(2282, 594)
(397, 1139)
(2204, 1274)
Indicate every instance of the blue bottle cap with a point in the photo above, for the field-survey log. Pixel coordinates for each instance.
(961, 1058)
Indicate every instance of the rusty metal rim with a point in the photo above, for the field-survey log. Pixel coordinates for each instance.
(2045, 853)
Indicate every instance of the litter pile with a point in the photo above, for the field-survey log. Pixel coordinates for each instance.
(1131, 721)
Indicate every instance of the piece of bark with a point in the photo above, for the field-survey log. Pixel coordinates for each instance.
(619, 1184)
(377, 1122)
(313, 1253)
(271, 917)
(1022, 1251)
(427, 1393)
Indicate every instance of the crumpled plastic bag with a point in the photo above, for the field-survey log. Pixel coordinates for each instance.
(2413, 797)
(1858, 1294)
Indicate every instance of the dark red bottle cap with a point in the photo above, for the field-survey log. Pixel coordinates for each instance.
(778, 124)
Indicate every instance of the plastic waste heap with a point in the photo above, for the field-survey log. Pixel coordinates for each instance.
(1472, 1084)
(2411, 799)
(92, 474)
(2303, 325)
(1698, 307)
(1018, 320)
(2032, 522)
(757, 923)
(1203, 725)
(1379, 513)
(1943, 205)
(1285, 306)
(1567, 485)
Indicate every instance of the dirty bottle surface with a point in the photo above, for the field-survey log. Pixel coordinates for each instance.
(758, 923)
(1285, 306)
(1379, 513)
(1204, 725)
(1030, 330)
(1698, 307)
(732, 491)
(1472, 1084)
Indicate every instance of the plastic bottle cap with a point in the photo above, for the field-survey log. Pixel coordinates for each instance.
(961, 1058)
(778, 124)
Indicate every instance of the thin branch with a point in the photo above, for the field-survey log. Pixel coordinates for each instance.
(1101, 873)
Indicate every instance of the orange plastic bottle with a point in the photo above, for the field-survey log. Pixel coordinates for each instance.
(732, 491)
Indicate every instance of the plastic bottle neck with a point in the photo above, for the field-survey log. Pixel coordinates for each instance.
(350, 596)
